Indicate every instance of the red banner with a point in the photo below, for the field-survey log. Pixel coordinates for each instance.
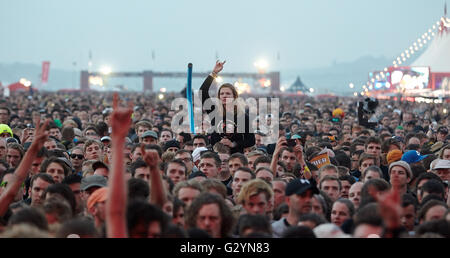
(45, 69)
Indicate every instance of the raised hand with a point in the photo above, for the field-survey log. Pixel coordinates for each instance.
(218, 67)
(121, 118)
(157, 190)
(298, 150)
(150, 157)
(27, 135)
(40, 134)
(390, 208)
(21, 172)
(282, 142)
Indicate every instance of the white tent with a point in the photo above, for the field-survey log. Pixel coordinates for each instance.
(437, 55)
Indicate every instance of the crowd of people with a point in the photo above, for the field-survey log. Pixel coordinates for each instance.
(104, 165)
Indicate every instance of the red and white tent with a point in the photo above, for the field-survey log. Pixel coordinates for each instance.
(437, 58)
(17, 86)
(437, 55)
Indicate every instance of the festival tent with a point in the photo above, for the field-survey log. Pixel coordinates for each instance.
(17, 86)
(297, 86)
(437, 55)
(437, 58)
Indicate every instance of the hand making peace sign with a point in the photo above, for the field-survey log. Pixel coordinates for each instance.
(41, 134)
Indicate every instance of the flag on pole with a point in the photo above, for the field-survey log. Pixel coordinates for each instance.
(45, 70)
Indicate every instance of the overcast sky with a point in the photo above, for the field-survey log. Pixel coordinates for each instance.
(123, 34)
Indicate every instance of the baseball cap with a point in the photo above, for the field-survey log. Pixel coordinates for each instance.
(107, 111)
(150, 134)
(66, 161)
(442, 164)
(99, 164)
(299, 186)
(296, 136)
(262, 148)
(94, 180)
(196, 174)
(398, 111)
(398, 138)
(286, 114)
(105, 138)
(259, 132)
(413, 156)
(197, 152)
(401, 164)
(99, 195)
(4, 128)
(11, 140)
(78, 132)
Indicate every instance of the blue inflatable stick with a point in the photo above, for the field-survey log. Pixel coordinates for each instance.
(189, 98)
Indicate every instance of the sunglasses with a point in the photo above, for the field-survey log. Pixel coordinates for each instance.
(79, 156)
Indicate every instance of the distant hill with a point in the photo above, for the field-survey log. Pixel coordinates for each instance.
(332, 79)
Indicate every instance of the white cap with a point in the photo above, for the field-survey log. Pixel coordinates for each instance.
(77, 132)
(105, 138)
(196, 153)
(442, 164)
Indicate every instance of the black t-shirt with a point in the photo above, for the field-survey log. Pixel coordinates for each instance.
(27, 187)
(385, 171)
(356, 173)
(227, 184)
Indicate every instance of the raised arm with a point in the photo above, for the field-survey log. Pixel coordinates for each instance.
(298, 150)
(209, 80)
(390, 210)
(116, 205)
(157, 192)
(280, 144)
(21, 173)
